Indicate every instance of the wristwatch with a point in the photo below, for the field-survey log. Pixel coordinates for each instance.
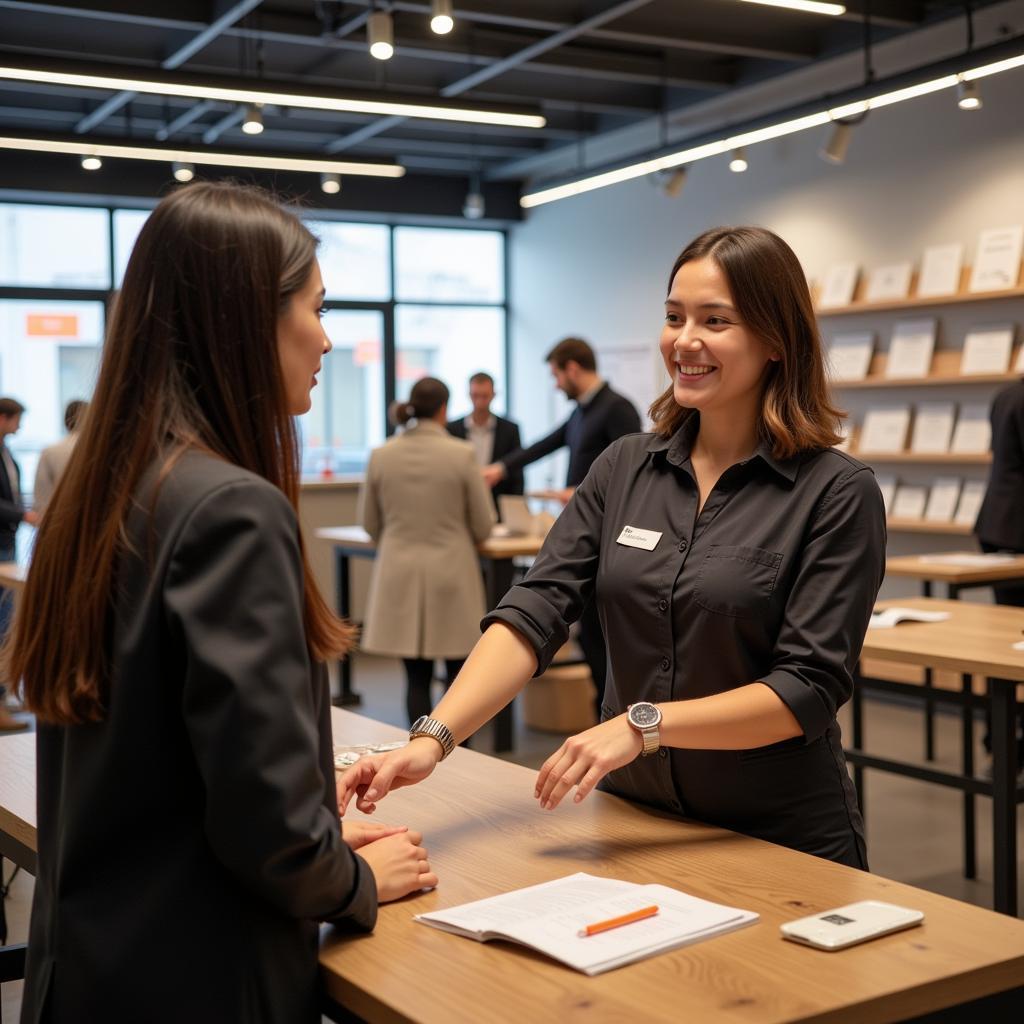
(425, 726)
(645, 718)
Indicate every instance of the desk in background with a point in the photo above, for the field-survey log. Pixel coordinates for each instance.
(496, 554)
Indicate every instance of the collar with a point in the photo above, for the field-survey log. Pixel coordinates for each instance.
(492, 422)
(428, 425)
(679, 446)
(588, 396)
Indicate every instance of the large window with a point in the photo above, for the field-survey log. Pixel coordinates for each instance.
(402, 302)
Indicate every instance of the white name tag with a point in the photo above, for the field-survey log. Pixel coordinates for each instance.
(634, 537)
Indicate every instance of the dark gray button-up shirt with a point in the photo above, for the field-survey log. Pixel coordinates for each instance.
(774, 580)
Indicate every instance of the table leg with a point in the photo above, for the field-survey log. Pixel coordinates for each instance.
(857, 713)
(967, 741)
(1003, 699)
(929, 700)
(347, 697)
(498, 574)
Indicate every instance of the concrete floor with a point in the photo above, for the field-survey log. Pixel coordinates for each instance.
(914, 829)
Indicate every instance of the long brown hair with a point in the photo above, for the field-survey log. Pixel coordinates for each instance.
(190, 361)
(770, 293)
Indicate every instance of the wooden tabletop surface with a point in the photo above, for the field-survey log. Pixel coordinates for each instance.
(924, 567)
(496, 546)
(976, 638)
(12, 575)
(486, 835)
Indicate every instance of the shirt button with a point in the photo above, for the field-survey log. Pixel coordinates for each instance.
(683, 545)
(663, 605)
(665, 664)
(662, 752)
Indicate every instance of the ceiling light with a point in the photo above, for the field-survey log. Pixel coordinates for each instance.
(738, 163)
(807, 6)
(380, 30)
(91, 163)
(473, 207)
(968, 96)
(441, 19)
(80, 74)
(182, 171)
(330, 183)
(716, 147)
(834, 151)
(252, 122)
(255, 161)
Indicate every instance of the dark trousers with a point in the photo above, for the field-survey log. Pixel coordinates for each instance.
(1011, 594)
(594, 654)
(6, 600)
(419, 673)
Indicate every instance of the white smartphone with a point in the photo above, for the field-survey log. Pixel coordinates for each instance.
(846, 926)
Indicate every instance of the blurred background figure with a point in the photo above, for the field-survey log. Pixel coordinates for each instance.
(54, 460)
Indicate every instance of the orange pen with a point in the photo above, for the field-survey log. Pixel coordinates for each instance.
(617, 922)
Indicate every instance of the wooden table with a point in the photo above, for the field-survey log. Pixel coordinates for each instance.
(496, 554)
(486, 835)
(976, 639)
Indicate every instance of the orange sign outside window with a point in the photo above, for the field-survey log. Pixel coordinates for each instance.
(51, 325)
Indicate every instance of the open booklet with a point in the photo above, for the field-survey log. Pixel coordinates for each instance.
(893, 616)
(550, 916)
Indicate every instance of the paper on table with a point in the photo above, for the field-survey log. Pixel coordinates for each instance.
(933, 428)
(971, 498)
(885, 429)
(849, 355)
(893, 616)
(969, 560)
(973, 432)
(1018, 646)
(910, 349)
(348, 754)
(997, 263)
(888, 282)
(945, 493)
(548, 917)
(940, 270)
(987, 350)
(837, 288)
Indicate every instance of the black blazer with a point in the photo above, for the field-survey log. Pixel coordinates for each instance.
(189, 842)
(11, 510)
(506, 439)
(588, 431)
(1001, 519)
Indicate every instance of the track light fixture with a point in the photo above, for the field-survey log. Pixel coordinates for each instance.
(182, 171)
(252, 122)
(330, 183)
(738, 163)
(380, 30)
(442, 20)
(968, 95)
(834, 151)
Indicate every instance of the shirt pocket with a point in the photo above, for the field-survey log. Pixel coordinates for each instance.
(737, 581)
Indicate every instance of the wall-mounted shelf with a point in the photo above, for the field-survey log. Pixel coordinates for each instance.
(945, 371)
(923, 526)
(927, 458)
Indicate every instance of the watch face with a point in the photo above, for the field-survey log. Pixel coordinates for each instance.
(643, 715)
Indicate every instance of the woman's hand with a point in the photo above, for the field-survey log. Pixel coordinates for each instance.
(371, 778)
(586, 758)
(359, 833)
(399, 864)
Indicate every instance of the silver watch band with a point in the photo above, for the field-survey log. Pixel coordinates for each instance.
(652, 740)
(424, 726)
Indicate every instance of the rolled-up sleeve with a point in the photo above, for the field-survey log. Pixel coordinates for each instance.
(557, 588)
(840, 570)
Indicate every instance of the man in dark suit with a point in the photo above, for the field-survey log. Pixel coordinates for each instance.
(492, 436)
(601, 416)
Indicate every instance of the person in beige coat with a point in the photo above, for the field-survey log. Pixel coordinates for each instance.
(426, 505)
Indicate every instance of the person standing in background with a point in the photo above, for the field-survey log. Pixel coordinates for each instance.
(1000, 524)
(425, 505)
(12, 513)
(53, 460)
(601, 416)
(492, 436)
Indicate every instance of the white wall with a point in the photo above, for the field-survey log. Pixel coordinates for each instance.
(916, 174)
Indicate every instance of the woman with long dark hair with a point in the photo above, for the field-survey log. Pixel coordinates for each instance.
(734, 554)
(171, 642)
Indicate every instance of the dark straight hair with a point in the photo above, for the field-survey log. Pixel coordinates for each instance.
(769, 290)
(190, 361)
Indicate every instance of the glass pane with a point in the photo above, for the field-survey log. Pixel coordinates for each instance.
(449, 265)
(54, 247)
(451, 343)
(354, 259)
(49, 354)
(347, 416)
(127, 225)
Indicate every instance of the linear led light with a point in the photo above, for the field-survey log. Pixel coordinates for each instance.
(192, 89)
(257, 161)
(807, 6)
(774, 131)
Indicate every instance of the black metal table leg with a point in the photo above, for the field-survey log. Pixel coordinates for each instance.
(929, 700)
(347, 697)
(857, 713)
(967, 740)
(1003, 699)
(498, 573)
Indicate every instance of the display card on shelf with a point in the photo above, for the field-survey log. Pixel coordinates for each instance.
(885, 429)
(997, 263)
(911, 348)
(987, 349)
(933, 427)
(889, 282)
(940, 270)
(909, 502)
(969, 506)
(849, 355)
(1019, 365)
(887, 485)
(973, 431)
(942, 499)
(838, 285)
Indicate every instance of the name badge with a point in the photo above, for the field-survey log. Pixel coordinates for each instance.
(634, 537)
